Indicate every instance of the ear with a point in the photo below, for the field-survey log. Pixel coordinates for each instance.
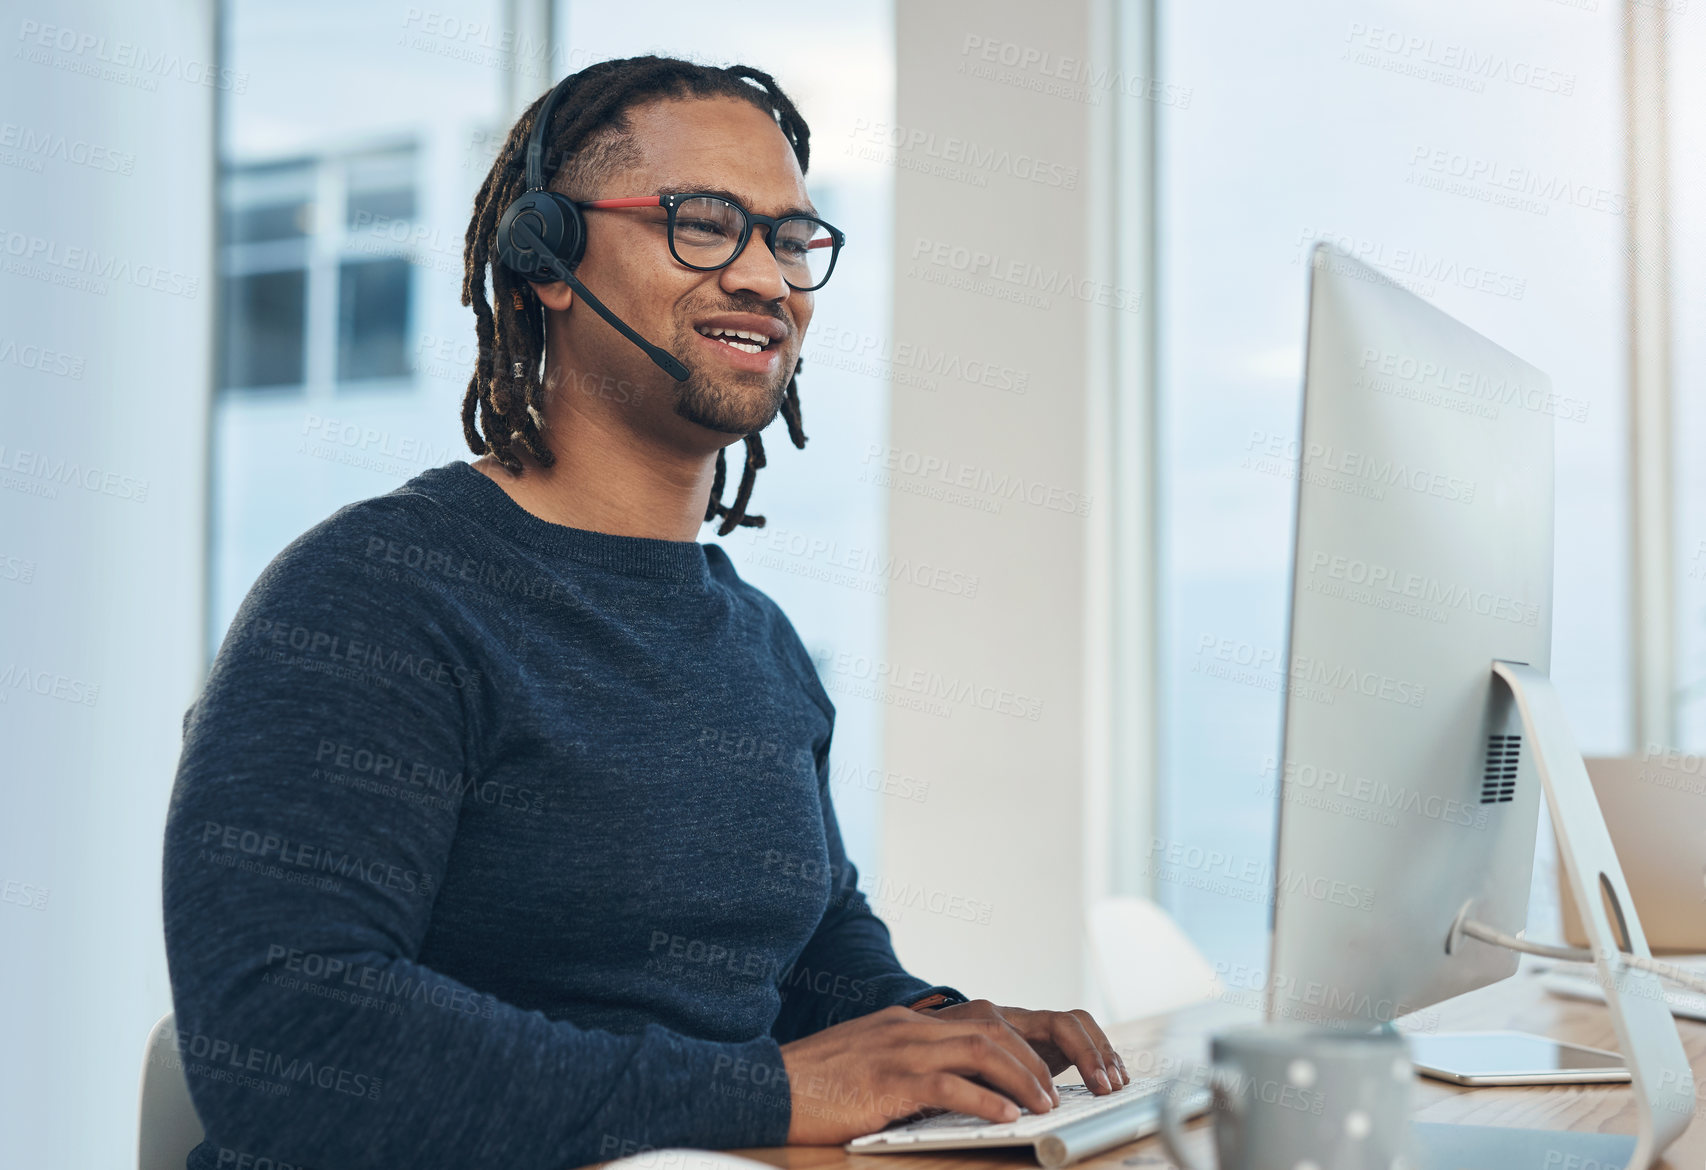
(556, 295)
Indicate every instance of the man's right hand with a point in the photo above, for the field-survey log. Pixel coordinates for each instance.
(854, 1078)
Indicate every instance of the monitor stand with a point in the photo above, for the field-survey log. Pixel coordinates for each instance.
(1661, 1081)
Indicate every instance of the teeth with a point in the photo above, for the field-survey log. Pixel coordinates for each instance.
(757, 341)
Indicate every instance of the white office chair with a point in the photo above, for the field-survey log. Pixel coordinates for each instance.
(1144, 964)
(167, 1126)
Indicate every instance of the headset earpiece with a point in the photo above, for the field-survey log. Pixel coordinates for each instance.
(557, 223)
(554, 220)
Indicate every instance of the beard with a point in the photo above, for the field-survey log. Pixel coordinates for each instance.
(730, 403)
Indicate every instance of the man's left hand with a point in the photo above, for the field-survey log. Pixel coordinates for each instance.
(1061, 1039)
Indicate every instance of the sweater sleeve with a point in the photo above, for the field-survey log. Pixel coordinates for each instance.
(292, 895)
(848, 968)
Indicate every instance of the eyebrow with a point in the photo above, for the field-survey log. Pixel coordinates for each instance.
(722, 193)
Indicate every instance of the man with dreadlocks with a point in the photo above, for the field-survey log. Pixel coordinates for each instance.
(502, 832)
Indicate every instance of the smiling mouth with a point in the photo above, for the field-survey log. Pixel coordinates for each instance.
(744, 340)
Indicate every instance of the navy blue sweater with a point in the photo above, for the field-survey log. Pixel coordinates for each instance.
(496, 842)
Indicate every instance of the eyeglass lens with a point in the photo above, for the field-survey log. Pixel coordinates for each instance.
(708, 229)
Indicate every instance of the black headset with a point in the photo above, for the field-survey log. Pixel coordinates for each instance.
(542, 236)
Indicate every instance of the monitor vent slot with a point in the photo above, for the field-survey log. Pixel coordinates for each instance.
(1498, 782)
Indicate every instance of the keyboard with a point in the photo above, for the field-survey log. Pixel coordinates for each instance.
(1574, 984)
(1081, 1125)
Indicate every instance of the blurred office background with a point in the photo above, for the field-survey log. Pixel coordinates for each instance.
(1025, 528)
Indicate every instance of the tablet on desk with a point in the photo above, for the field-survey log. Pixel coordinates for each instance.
(1513, 1058)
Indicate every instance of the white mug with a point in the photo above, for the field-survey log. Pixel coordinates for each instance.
(1291, 1097)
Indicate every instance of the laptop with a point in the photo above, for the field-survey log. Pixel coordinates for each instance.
(1655, 809)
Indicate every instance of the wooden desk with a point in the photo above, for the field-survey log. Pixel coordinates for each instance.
(1518, 1003)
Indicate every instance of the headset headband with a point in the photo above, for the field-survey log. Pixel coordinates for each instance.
(536, 140)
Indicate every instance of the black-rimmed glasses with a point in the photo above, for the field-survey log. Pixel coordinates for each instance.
(707, 232)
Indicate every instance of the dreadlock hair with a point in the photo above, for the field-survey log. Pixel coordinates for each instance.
(590, 136)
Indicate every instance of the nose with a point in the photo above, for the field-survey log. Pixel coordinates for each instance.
(755, 269)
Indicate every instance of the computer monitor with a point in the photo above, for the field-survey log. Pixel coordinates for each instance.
(1423, 552)
(1421, 730)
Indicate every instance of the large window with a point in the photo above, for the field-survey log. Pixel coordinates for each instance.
(315, 302)
(1474, 153)
(346, 185)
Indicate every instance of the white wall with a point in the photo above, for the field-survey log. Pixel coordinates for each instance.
(986, 882)
(106, 154)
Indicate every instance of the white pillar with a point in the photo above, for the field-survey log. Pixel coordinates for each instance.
(1005, 259)
(1647, 265)
(106, 300)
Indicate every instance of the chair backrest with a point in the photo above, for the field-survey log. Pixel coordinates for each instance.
(1144, 963)
(167, 1125)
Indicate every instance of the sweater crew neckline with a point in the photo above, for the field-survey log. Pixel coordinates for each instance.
(681, 561)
